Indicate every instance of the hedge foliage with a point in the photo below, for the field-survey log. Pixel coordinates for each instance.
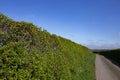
(28, 52)
(112, 54)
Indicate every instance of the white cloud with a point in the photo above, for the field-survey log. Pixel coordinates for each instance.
(102, 44)
(119, 34)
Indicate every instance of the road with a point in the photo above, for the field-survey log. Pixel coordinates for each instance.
(105, 69)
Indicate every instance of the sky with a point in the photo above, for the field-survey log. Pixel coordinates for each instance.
(92, 23)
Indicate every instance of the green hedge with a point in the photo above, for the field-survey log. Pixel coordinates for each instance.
(30, 53)
(112, 54)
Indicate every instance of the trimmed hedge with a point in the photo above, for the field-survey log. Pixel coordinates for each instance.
(29, 53)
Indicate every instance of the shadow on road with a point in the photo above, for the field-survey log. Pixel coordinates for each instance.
(113, 61)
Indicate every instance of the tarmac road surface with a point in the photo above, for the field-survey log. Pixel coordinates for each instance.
(105, 69)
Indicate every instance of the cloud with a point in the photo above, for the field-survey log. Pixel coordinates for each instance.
(102, 44)
(119, 34)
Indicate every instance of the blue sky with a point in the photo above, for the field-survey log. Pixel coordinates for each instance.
(93, 23)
